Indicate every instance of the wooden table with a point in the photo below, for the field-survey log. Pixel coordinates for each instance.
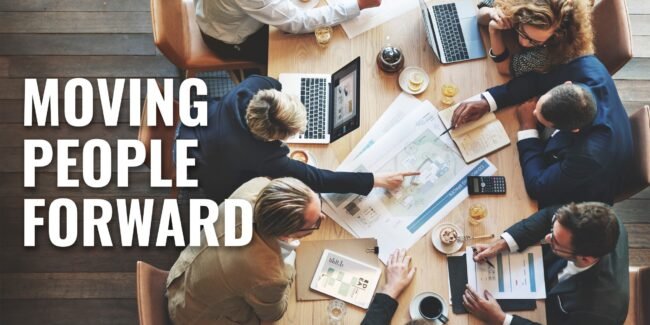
(301, 53)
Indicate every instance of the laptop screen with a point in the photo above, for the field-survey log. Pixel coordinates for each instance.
(344, 110)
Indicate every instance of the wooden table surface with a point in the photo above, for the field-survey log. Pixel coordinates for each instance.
(301, 53)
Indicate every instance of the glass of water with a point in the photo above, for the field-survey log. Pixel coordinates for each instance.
(336, 310)
(323, 35)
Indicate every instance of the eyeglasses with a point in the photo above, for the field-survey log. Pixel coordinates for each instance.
(520, 30)
(555, 245)
(316, 226)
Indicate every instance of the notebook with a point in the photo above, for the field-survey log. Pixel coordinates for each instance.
(478, 138)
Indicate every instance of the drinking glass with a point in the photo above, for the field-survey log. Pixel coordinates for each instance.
(323, 35)
(477, 212)
(336, 310)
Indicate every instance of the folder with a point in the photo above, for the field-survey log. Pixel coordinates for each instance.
(458, 279)
(308, 255)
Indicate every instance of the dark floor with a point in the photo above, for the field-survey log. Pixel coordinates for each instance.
(112, 39)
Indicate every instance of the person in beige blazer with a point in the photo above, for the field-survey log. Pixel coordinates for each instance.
(248, 284)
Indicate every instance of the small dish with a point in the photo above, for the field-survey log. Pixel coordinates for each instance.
(406, 74)
(437, 242)
(305, 5)
(414, 307)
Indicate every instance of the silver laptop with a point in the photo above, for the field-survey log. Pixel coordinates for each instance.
(332, 102)
(452, 31)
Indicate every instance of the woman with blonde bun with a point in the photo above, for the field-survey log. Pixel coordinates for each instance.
(244, 139)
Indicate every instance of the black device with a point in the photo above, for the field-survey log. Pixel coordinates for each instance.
(486, 185)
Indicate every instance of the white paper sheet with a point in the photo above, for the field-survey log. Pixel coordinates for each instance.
(373, 17)
(514, 275)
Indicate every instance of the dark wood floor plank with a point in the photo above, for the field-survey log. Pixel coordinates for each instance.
(12, 110)
(13, 135)
(67, 285)
(91, 66)
(633, 90)
(4, 67)
(638, 7)
(640, 24)
(638, 235)
(77, 44)
(639, 257)
(75, 5)
(69, 311)
(47, 258)
(14, 88)
(645, 194)
(637, 69)
(75, 22)
(633, 211)
(641, 48)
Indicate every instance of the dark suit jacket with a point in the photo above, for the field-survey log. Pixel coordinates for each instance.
(228, 155)
(587, 166)
(598, 295)
(381, 310)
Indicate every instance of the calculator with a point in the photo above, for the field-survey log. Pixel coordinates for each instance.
(486, 185)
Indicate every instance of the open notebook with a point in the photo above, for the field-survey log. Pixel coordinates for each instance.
(476, 139)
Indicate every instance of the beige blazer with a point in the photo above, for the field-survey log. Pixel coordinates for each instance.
(230, 285)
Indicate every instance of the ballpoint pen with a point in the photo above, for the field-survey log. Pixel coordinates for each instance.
(447, 130)
(486, 260)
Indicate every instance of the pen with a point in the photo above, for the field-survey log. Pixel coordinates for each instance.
(486, 260)
(447, 130)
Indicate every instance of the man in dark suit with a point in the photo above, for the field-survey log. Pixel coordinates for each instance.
(585, 159)
(586, 267)
(243, 140)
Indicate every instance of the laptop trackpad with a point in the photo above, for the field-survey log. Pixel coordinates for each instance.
(470, 29)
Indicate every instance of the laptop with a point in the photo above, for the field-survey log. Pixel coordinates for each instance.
(332, 102)
(452, 31)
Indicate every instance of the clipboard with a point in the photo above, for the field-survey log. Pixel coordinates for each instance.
(458, 279)
(308, 255)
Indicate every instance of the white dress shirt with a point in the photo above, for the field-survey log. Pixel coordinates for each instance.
(232, 21)
(288, 251)
(569, 270)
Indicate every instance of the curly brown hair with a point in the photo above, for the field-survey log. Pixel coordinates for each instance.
(573, 36)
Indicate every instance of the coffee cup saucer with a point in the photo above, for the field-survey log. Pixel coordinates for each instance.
(414, 307)
(437, 243)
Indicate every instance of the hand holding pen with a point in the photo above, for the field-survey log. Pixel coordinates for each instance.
(481, 259)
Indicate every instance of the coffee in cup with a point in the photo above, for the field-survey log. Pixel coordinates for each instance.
(431, 308)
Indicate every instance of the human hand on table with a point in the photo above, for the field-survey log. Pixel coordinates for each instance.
(469, 111)
(392, 181)
(398, 273)
(365, 4)
(484, 307)
(482, 252)
(525, 115)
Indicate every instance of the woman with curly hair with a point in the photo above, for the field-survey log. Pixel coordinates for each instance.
(548, 32)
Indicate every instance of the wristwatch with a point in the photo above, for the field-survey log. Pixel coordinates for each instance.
(499, 58)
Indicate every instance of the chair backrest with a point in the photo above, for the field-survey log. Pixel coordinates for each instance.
(152, 303)
(170, 29)
(639, 177)
(167, 136)
(612, 36)
(638, 311)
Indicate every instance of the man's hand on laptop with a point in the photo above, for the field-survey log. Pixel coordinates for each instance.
(392, 181)
(469, 111)
(365, 4)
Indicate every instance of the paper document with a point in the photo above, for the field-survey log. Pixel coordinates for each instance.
(400, 218)
(345, 278)
(514, 275)
(373, 17)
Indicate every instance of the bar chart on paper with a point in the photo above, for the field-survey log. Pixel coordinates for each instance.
(511, 275)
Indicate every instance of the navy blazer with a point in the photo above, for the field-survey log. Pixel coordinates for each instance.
(574, 167)
(599, 295)
(228, 155)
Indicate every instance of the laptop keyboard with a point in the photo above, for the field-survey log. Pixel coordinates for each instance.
(451, 34)
(313, 94)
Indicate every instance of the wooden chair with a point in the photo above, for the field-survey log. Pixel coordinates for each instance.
(150, 292)
(639, 309)
(612, 36)
(178, 37)
(167, 135)
(639, 177)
